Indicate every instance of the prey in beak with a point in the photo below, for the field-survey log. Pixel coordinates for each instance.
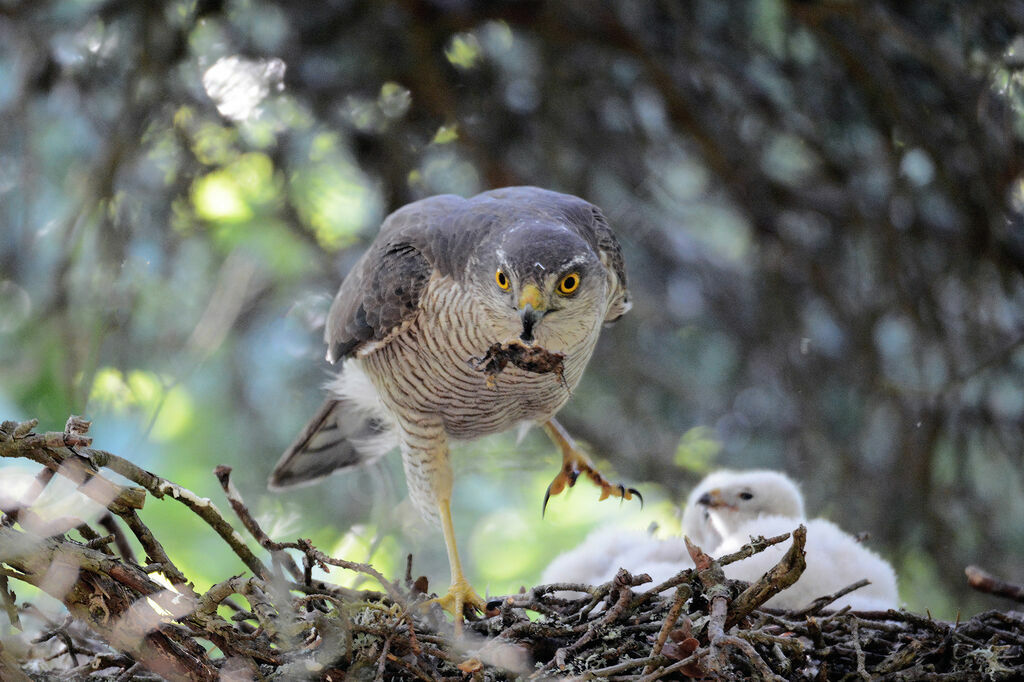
(532, 308)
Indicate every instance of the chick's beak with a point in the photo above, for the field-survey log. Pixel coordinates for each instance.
(712, 498)
(532, 308)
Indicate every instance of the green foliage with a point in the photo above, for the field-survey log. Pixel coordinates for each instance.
(463, 51)
(162, 409)
(820, 207)
(698, 449)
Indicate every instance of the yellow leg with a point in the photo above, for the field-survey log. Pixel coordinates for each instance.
(460, 593)
(576, 462)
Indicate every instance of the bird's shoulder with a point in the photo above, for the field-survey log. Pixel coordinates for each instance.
(435, 238)
(420, 241)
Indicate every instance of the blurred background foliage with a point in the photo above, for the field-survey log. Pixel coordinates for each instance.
(820, 204)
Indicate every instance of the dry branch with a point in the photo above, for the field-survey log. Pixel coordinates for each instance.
(983, 581)
(121, 623)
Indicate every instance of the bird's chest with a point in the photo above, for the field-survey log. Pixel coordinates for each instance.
(432, 370)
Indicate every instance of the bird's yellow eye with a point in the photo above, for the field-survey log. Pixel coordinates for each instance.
(502, 279)
(569, 284)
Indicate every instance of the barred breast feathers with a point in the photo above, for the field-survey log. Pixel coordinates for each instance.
(426, 368)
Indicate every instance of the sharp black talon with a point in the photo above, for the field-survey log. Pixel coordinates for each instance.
(638, 495)
(544, 507)
(622, 493)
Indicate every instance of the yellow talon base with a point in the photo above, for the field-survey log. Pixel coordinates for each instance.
(460, 595)
(576, 462)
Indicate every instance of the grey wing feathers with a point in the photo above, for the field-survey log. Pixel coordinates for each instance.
(384, 288)
(611, 252)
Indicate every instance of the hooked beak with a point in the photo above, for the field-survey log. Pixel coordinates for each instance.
(712, 498)
(531, 309)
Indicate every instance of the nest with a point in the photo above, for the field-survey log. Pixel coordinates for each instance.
(276, 622)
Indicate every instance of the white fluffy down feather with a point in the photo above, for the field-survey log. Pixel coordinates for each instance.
(606, 550)
(726, 499)
(835, 559)
(724, 511)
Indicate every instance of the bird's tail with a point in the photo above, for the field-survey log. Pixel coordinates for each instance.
(339, 436)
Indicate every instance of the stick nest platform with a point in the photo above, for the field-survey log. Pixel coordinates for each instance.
(274, 621)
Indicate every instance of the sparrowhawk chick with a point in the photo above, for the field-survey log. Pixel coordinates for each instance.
(444, 280)
(724, 511)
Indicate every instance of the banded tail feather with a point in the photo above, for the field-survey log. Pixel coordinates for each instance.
(339, 436)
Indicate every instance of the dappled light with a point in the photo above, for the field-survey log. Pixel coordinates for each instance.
(821, 213)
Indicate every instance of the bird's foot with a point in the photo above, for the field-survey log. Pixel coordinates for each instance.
(459, 596)
(574, 463)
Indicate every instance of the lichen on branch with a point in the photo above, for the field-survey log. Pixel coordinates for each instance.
(276, 621)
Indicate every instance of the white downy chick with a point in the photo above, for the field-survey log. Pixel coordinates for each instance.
(834, 558)
(600, 556)
(724, 511)
(727, 499)
(737, 505)
(721, 502)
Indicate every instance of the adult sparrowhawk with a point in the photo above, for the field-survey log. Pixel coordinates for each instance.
(445, 280)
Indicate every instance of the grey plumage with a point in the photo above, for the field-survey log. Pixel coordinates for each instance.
(422, 302)
(452, 236)
(329, 442)
(446, 279)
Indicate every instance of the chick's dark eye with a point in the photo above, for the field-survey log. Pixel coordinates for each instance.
(746, 495)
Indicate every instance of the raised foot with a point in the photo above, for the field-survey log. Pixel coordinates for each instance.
(575, 463)
(459, 596)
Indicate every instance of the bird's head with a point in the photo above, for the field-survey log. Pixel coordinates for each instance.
(545, 285)
(725, 500)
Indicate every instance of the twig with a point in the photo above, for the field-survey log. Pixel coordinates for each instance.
(623, 581)
(682, 594)
(902, 658)
(820, 603)
(38, 485)
(89, 535)
(778, 578)
(722, 615)
(223, 474)
(128, 673)
(100, 543)
(203, 507)
(120, 540)
(383, 659)
(61, 633)
(651, 662)
(861, 670)
(154, 550)
(755, 546)
(983, 581)
(55, 451)
(103, 593)
(751, 653)
(669, 669)
(321, 558)
(7, 600)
